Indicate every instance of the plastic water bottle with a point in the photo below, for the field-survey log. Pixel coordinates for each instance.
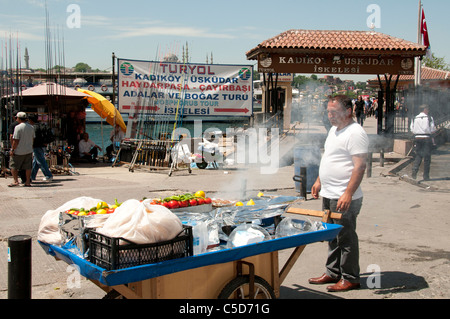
(200, 236)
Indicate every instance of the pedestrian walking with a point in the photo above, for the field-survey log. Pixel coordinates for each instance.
(423, 129)
(39, 145)
(360, 110)
(21, 152)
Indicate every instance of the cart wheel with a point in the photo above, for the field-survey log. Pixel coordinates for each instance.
(113, 294)
(202, 165)
(238, 288)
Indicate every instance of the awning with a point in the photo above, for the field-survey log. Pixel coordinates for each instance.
(105, 109)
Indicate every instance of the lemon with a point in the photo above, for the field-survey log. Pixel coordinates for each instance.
(250, 202)
(101, 204)
(260, 194)
(239, 204)
(101, 211)
(200, 194)
(82, 214)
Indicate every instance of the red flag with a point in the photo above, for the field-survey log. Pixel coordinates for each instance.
(424, 31)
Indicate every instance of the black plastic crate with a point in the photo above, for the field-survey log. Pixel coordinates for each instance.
(117, 253)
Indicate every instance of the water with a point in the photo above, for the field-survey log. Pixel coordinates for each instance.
(100, 134)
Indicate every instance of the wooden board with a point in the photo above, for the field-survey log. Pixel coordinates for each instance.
(310, 212)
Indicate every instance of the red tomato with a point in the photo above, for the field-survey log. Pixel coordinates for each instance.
(166, 204)
(184, 203)
(110, 211)
(201, 201)
(193, 202)
(208, 200)
(174, 204)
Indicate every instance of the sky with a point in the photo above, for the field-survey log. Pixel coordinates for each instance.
(90, 31)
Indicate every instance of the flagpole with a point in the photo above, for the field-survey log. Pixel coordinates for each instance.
(418, 80)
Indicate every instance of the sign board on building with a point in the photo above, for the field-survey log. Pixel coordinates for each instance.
(282, 77)
(335, 64)
(184, 88)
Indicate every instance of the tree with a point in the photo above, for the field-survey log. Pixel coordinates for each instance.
(361, 85)
(82, 67)
(436, 63)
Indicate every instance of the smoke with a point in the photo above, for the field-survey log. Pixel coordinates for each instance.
(438, 101)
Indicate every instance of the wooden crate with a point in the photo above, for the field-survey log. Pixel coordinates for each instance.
(202, 283)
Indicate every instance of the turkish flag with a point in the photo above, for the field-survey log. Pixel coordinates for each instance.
(424, 31)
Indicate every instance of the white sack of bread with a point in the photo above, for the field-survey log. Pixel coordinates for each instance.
(142, 223)
(49, 231)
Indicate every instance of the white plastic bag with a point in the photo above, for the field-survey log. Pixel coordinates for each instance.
(49, 231)
(142, 223)
(181, 153)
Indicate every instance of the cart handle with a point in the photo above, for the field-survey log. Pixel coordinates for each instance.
(326, 215)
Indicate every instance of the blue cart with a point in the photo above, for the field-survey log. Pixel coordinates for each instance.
(250, 271)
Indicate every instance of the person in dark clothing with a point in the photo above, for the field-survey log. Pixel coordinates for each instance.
(360, 110)
(39, 145)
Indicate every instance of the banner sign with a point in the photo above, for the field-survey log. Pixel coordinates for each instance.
(184, 89)
(281, 77)
(335, 64)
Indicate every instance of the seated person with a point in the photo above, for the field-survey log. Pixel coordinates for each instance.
(117, 136)
(88, 149)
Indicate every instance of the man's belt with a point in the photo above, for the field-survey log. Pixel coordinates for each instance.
(422, 136)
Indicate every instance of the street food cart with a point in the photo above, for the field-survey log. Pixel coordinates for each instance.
(248, 271)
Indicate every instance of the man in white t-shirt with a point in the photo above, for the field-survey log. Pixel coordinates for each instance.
(423, 129)
(21, 153)
(341, 171)
(88, 149)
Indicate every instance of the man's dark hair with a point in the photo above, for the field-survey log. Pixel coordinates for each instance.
(33, 118)
(343, 100)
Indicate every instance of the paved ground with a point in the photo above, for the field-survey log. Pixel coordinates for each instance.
(403, 226)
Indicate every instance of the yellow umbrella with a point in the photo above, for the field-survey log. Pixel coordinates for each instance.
(105, 109)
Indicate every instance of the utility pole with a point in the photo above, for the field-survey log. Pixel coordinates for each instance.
(113, 78)
(418, 77)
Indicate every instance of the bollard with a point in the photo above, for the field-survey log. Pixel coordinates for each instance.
(369, 164)
(244, 188)
(19, 267)
(302, 180)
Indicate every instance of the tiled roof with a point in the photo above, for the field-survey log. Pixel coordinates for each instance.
(426, 73)
(336, 40)
(429, 74)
